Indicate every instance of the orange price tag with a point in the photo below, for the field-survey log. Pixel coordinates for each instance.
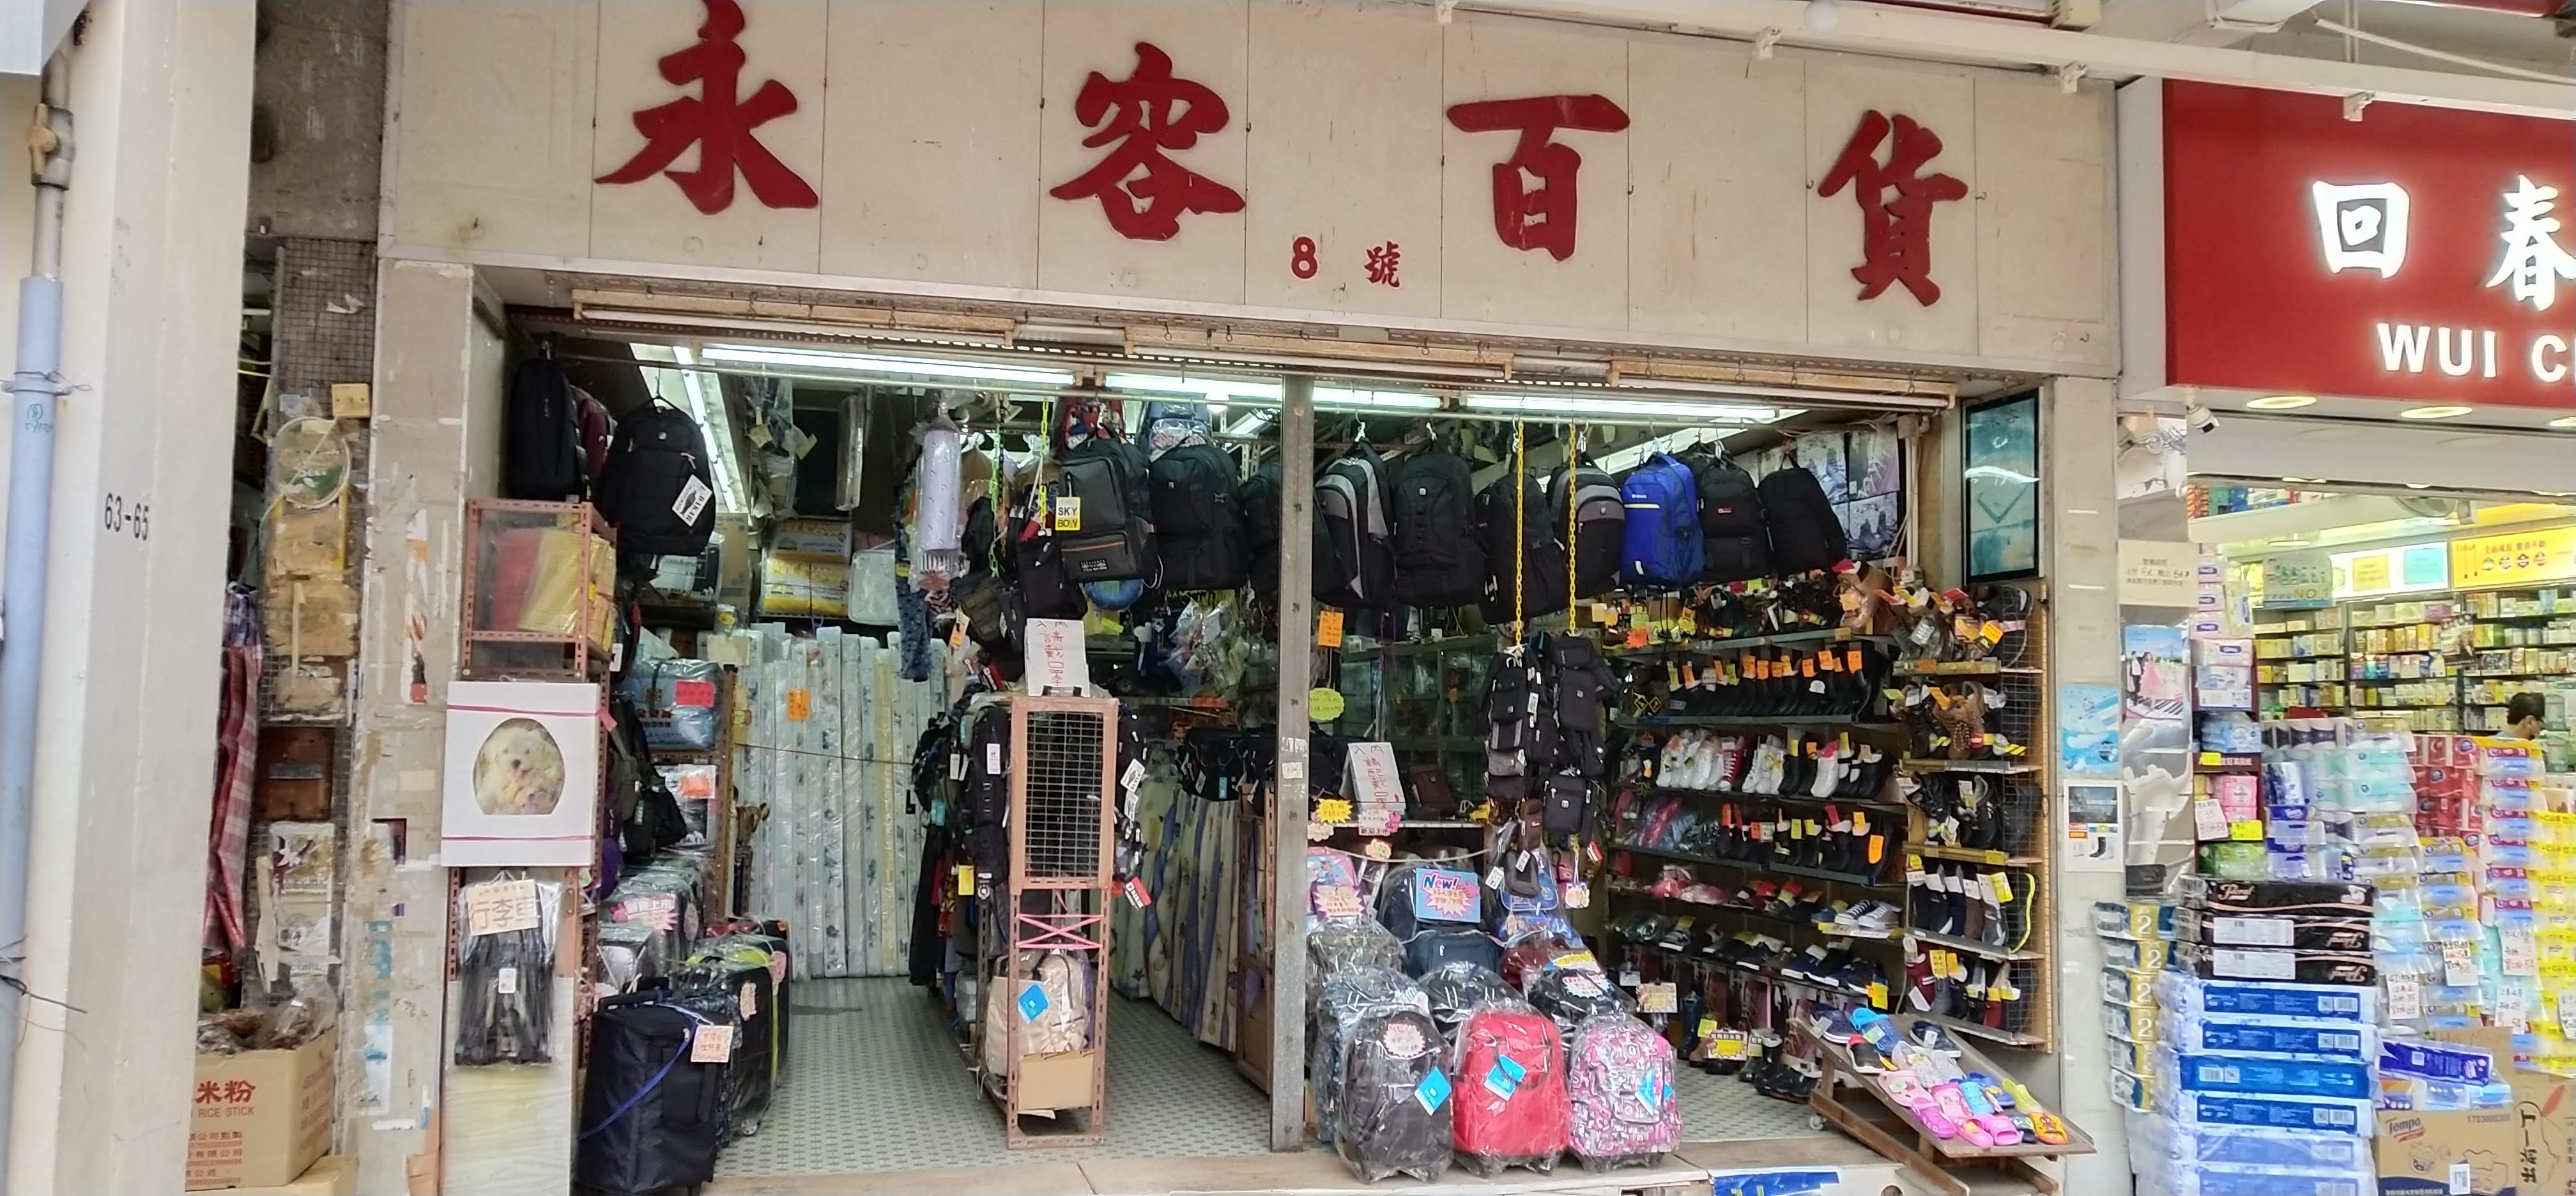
(1636, 636)
(800, 705)
(1328, 629)
(1807, 666)
(1851, 660)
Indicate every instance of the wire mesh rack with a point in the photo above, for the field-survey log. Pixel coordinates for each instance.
(1063, 757)
(1051, 1085)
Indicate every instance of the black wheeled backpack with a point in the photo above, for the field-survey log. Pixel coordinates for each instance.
(541, 452)
(1198, 522)
(1350, 504)
(1439, 562)
(651, 1118)
(1542, 550)
(1730, 520)
(1114, 511)
(656, 487)
(1599, 530)
(1805, 535)
(1396, 1111)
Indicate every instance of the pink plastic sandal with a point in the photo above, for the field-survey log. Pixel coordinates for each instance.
(1953, 1109)
(2000, 1128)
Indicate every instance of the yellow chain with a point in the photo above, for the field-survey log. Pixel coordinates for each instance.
(1520, 527)
(1573, 456)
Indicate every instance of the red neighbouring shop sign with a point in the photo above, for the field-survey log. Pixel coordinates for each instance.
(2418, 253)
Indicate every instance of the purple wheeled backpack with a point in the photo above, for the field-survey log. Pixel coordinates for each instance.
(1619, 1080)
(1395, 1101)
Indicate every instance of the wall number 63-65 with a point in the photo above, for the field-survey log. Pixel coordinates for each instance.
(121, 515)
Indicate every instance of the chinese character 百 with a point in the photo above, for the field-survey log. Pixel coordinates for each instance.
(718, 123)
(1895, 232)
(1541, 217)
(2533, 260)
(1149, 114)
(2362, 226)
(1382, 261)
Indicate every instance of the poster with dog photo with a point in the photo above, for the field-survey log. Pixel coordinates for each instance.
(522, 785)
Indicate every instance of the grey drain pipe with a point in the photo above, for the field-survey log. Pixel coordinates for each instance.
(33, 391)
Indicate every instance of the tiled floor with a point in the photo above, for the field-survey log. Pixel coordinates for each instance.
(873, 1084)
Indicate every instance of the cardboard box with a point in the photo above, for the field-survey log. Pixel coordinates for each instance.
(1057, 1081)
(330, 1175)
(2472, 1153)
(260, 1117)
(2544, 1106)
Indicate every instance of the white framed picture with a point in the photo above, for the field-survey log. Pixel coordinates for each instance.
(522, 780)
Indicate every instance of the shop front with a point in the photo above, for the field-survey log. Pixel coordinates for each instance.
(1432, 335)
(2348, 455)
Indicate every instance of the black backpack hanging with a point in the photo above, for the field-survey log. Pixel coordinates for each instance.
(656, 489)
(1599, 528)
(1542, 550)
(1112, 486)
(1350, 505)
(541, 453)
(1805, 535)
(1730, 520)
(1033, 562)
(1198, 526)
(1439, 561)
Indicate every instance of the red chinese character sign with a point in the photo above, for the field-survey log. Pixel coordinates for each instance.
(1896, 200)
(718, 122)
(1544, 216)
(1149, 116)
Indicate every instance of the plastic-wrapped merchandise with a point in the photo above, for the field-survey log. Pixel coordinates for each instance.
(676, 700)
(1619, 1086)
(628, 955)
(1509, 1068)
(1341, 945)
(2158, 1138)
(1396, 1097)
(1571, 995)
(1458, 989)
(306, 1014)
(652, 1116)
(1526, 956)
(1053, 1008)
(938, 514)
(2241, 1179)
(1351, 994)
(505, 952)
(738, 968)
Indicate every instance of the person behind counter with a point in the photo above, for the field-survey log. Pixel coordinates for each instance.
(2522, 715)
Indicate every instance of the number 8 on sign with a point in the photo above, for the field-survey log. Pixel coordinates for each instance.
(1301, 257)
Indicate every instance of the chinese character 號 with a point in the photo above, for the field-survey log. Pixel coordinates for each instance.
(1149, 114)
(1382, 261)
(1541, 217)
(2362, 226)
(1895, 232)
(718, 123)
(2533, 260)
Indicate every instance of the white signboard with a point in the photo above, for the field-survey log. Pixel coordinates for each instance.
(1375, 788)
(1339, 163)
(522, 785)
(1056, 661)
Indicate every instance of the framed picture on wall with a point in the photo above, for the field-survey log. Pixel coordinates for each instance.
(2000, 470)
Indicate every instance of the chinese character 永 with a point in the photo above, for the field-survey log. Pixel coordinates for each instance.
(2533, 260)
(1150, 115)
(1542, 217)
(1895, 231)
(1382, 261)
(718, 123)
(2362, 226)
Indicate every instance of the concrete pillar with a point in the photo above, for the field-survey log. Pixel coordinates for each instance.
(434, 444)
(152, 266)
(2079, 442)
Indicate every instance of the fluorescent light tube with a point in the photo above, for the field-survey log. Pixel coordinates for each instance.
(1581, 405)
(870, 363)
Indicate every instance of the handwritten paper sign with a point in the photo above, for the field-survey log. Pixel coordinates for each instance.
(500, 906)
(1056, 661)
(1440, 895)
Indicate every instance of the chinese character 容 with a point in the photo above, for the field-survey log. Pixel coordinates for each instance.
(1149, 114)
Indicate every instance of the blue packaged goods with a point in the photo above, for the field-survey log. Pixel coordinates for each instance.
(2307, 1113)
(2266, 1075)
(2435, 1060)
(2238, 1179)
(2192, 995)
(2157, 1137)
(2417, 1094)
(2334, 1040)
(676, 701)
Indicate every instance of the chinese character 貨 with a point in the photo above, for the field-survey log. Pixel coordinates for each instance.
(1149, 114)
(1895, 232)
(2533, 260)
(1382, 261)
(718, 123)
(1542, 217)
(2362, 226)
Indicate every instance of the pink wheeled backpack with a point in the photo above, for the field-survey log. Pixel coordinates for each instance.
(1510, 1075)
(1619, 1084)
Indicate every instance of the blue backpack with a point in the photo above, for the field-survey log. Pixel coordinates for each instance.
(1663, 548)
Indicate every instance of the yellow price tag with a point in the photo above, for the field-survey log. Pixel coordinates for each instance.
(1068, 513)
(1333, 809)
(1688, 623)
(965, 880)
(1878, 995)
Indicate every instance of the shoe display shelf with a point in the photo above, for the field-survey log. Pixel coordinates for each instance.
(1855, 1098)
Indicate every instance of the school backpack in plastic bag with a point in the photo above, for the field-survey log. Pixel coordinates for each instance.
(1337, 946)
(738, 970)
(1571, 995)
(1805, 535)
(1352, 993)
(1439, 562)
(1599, 530)
(1509, 1068)
(1458, 989)
(651, 1118)
(1619, 1084)
(1198, 529)
(1438, 946)
(1511, 512)
(1733, 536)
(1396, 1098)
(1662, 548)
